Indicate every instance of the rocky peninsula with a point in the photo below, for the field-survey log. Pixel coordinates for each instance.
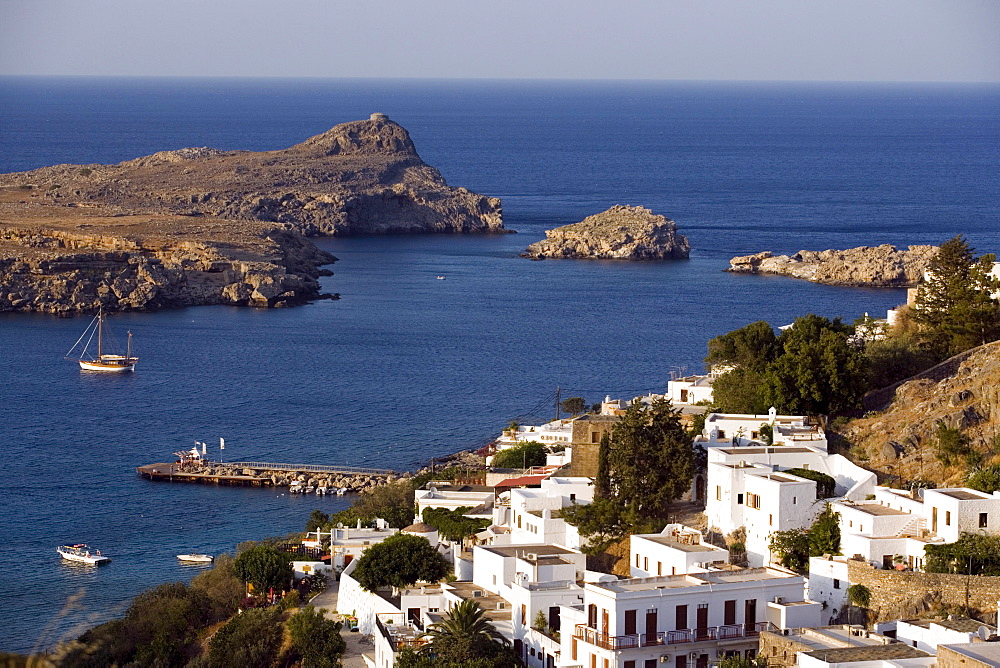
(204, 226)
(620, 233)
(867, 266)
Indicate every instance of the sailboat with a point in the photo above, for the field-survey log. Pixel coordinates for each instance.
(107, 357)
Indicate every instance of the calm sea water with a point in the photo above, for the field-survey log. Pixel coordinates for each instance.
(406, 367)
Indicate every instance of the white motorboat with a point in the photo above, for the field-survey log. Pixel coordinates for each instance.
(199, 558)
(83, 554)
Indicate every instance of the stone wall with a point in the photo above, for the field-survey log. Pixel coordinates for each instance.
(780, 650)
(907, 594)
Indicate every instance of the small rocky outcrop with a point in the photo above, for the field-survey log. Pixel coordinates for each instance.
(868, 266)
(205, 226)
(620, 233)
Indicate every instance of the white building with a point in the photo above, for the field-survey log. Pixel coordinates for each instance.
(440, 494)
(680, 620)
(348, 543)
(690, 390)
(729, 430)
(533, 515)
(750, 488)
(839, 647)
(676, 550)
(555, 433)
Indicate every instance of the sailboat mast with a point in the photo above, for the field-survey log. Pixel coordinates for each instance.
(128, 351)
(100, 332)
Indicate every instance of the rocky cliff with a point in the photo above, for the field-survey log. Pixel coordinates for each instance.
(897, 437)
(620, 233)
(204, 226)
(871, 266)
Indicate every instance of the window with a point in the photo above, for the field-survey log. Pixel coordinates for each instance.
(794, 500)
(630, 664)
(595, 437)
(659, 568)
(645, 564)
(637, 561)
(984, 520)
(753, 500)
(572, 497)
(770, 520)
(836, 583)
(947, 518)
(739, 499)
(722, 434)
(718, 492)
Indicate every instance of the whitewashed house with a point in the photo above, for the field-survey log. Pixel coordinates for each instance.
(681, 620)
(676, 550)
(731, 430)
(690, 390)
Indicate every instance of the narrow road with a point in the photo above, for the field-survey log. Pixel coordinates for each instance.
(357, 644)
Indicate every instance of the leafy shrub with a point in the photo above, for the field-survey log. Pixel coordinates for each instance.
(525, 455)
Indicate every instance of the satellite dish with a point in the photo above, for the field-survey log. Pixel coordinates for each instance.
(983, 632)
(340, 525)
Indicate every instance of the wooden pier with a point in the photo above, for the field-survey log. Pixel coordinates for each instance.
(174, 472)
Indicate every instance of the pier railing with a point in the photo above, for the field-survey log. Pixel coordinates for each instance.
(308, 468)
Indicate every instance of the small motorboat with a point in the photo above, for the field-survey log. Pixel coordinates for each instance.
(82, 553)
(198, 558)
(440, 278)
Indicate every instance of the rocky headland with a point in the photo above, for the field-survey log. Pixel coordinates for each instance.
(620, 233)
(869, 266)
(204, 226)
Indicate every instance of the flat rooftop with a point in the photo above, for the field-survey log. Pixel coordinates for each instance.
(521, 550)
(987, 652)
(671, 541)
(766, 450)
(496, 607)
(890, 652)
(964, 494)
(693, 580)
(876, 509)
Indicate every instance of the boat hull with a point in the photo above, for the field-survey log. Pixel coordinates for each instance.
(114, 366)
(91, 559)
(197, 558)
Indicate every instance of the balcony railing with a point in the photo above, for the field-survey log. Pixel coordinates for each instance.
(629, 641)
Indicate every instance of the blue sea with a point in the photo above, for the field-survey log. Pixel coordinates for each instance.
(406, 367)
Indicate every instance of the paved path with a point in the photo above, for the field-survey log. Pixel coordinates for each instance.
(357, 644)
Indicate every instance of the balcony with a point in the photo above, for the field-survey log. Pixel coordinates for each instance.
(682, 636)
(398, 632)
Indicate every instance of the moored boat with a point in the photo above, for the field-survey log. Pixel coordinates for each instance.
(82, 553)
(200, 558)
(106, 358)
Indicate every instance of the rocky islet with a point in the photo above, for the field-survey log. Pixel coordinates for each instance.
(867, 266)
(620, 233)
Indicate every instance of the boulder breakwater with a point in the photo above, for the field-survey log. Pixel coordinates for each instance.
(298, 478)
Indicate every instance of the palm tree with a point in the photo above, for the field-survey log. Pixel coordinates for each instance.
(464, 634)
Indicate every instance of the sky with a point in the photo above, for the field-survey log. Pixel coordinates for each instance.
(811, 40)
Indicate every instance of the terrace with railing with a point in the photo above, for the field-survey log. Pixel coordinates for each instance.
(681, 636)
(398, 631)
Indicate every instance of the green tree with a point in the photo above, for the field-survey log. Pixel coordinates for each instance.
(752, 347)
(651, 461)
(264, 567)
(251, 638)
(317, 520)
(465, 634)
(896, 357)
(984, 479)
(952, 445)
(955, 306)
(791, 548)
(741, 391)
(224, 589)
(824, 534)
(860, 597)
(523, 455)
(574, 405)
(393, 502)
(819, 371)
(400, 561)
(453, 524)
(645, 464)
(315, 638)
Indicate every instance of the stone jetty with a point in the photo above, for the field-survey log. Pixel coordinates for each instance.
(296, 477)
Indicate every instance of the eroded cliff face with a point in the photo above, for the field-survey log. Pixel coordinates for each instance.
(65, 273)
(620, 233)
(871, 266)
(898, 437)
(204, 226)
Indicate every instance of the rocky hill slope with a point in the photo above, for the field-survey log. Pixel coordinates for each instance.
(620, 233)
(898, 436)
(870, 266)
(203, 226)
